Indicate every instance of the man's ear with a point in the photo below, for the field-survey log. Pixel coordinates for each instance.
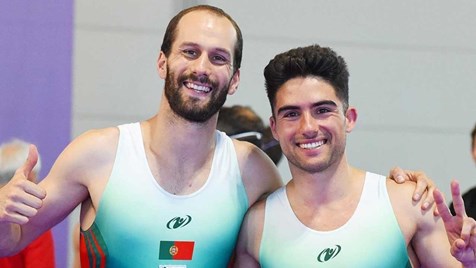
(272, 125)
(162, 65)
(351, 119)
(235, 80)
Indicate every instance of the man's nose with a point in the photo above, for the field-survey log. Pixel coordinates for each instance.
(308, 125)
(202, 65)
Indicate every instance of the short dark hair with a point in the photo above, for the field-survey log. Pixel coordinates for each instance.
(171, 32)
(321, 62)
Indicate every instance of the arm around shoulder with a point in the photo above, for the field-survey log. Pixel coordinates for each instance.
(260, 175)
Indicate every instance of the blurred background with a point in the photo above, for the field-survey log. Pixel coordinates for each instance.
(69, 66)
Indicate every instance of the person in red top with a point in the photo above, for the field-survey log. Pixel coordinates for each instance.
(40, 252)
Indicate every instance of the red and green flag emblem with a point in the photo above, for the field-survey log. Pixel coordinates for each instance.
(176, 250)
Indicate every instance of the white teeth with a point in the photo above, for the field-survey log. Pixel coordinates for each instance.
(311, 145)
(198, 88)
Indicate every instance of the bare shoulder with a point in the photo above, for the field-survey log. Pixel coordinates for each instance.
(407, 186)
(244, 150)
(260, 175)
(79, 174)
(401, 196)
(92, 147)
(407, 211)
(85, 157)
(250, 235)
(96, 140)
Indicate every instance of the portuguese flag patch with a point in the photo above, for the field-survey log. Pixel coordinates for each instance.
(176, 250)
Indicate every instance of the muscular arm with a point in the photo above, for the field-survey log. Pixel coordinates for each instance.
(424, 232)
(86, 160)
(431, 244)
(259, 173)
(247, 249)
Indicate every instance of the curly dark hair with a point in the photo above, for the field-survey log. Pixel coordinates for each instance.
(314, 60)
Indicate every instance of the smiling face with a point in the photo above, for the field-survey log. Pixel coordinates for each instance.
(310, 124)
(198, 72)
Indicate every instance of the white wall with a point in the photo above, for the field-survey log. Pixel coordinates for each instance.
(411, 66)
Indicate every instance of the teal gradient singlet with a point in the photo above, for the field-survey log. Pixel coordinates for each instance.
(139, 224)
(370, 238)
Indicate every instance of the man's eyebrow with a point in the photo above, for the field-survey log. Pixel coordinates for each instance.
(188, 44)
(317, 104)
(287, 108)
(325, 102)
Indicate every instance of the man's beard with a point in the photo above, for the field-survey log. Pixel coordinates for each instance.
(191, 110)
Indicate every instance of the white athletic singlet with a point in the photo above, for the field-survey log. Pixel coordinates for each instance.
(139, 224)
(371, 237)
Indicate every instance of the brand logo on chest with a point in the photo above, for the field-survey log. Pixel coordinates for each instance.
(328, 254)
(179, 222)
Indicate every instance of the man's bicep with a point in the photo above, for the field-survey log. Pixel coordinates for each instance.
(247, 248)
(65, 184)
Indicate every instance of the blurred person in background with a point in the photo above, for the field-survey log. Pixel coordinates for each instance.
(243, 123)
(470, 196)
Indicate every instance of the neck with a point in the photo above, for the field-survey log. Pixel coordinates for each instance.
(178, 139)
(179, 152)
(327, 186)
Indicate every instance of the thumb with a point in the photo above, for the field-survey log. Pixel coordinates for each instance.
(30, 162)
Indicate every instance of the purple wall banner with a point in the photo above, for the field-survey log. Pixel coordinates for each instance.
(35, 83)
